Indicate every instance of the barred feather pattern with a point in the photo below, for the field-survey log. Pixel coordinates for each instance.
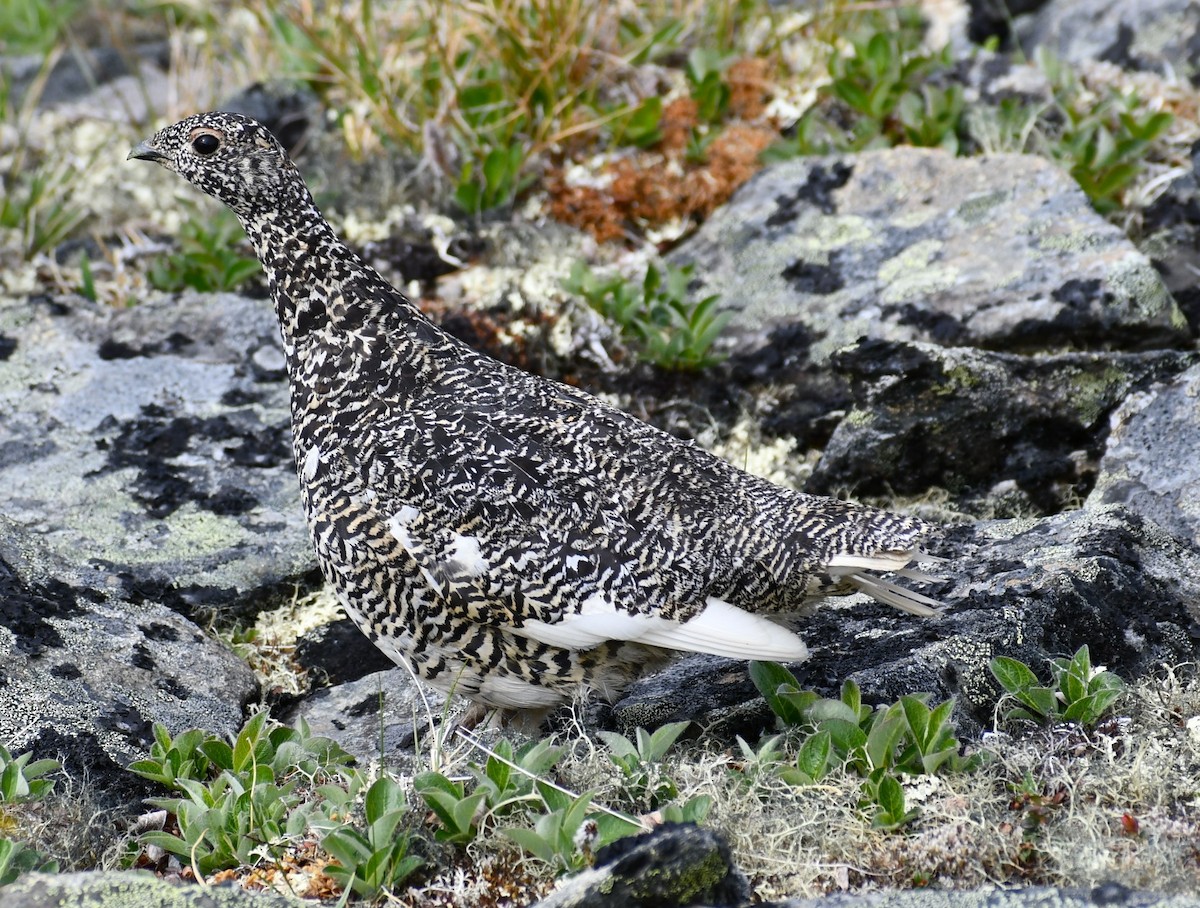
(512, 539)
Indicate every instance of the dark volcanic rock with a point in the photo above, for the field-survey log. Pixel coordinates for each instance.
(674, 866)
(970, 421)
(340, 652)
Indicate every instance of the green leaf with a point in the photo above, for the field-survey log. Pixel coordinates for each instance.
(1014, 676)
(813, 758)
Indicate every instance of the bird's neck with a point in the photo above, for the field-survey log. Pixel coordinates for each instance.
(320, 287)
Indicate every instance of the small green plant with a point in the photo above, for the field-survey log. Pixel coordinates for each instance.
(240, 801)
(370, 862)
(34, 26)
(1077, 692)
(559, 836)
(208, 259)
(507, 778)
(705, 71)
(658, 316)
(882, 92)
(458, 811)
(908, 737)
(23, 780)
(39, 202)
(1103, 142)
(17, 858)
(645, 785)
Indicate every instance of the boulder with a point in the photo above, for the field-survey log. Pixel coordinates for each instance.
(154, 443)
(908, 244)
(1152, 462)
(87, 665)
(1028, 429)
(1155, 35)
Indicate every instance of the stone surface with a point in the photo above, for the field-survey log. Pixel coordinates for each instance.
(970, 421)
(1001, 251)
(1113, 894)
(1156, 35)
(88, 664)
(382, 715)
(1028, 589)
(675, 865)
(154, 442)
(1152, 463)
(128, 890)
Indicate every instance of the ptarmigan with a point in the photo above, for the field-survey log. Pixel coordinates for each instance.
(512, 539)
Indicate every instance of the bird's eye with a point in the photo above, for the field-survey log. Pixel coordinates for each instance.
(206, 143)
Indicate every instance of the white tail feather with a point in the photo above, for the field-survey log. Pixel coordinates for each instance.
(895, 595)
(720, 629)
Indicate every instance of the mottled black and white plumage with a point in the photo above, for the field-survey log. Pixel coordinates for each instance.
(513, 539)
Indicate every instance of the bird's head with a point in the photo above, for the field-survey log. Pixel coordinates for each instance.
(231, 157)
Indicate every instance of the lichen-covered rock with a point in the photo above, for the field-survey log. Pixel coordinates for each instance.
(1111, 894)
(1001, 251)
(1028, 589)
(383, 715)
(154, 441)
(971, 421)
(1152, 464)
(88, 664)
(128, 890)
(1156, 35)
(674, 866)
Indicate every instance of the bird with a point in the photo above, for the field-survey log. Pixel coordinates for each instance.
(510, 538)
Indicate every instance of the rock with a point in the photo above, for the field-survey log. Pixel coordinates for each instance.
(154, 442)
(1001, 251)
(1029, 589)
(1155, 35)
(1160, 486)
(383, 715)
(993, 18)
(969, 421)
(1032, 897)
(1171, 227)
(286, 108)
(675, 865)
(128, 890)
(87, 666)
(79, 72)
(338, 652)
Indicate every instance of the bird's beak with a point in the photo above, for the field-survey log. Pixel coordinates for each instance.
(147, 152)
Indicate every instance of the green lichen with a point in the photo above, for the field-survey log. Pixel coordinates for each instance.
(976, 210)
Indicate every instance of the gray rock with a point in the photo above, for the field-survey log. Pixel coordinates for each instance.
(1002, 251)
(1152, 464)
(1171, 231)
(382, 715)
(128, 890)
(86, 670)
(969, 421)
(1033, 897)
(1028, 589)
(675, 865)
(79, 72)
(1156, 35)
(154, 442)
